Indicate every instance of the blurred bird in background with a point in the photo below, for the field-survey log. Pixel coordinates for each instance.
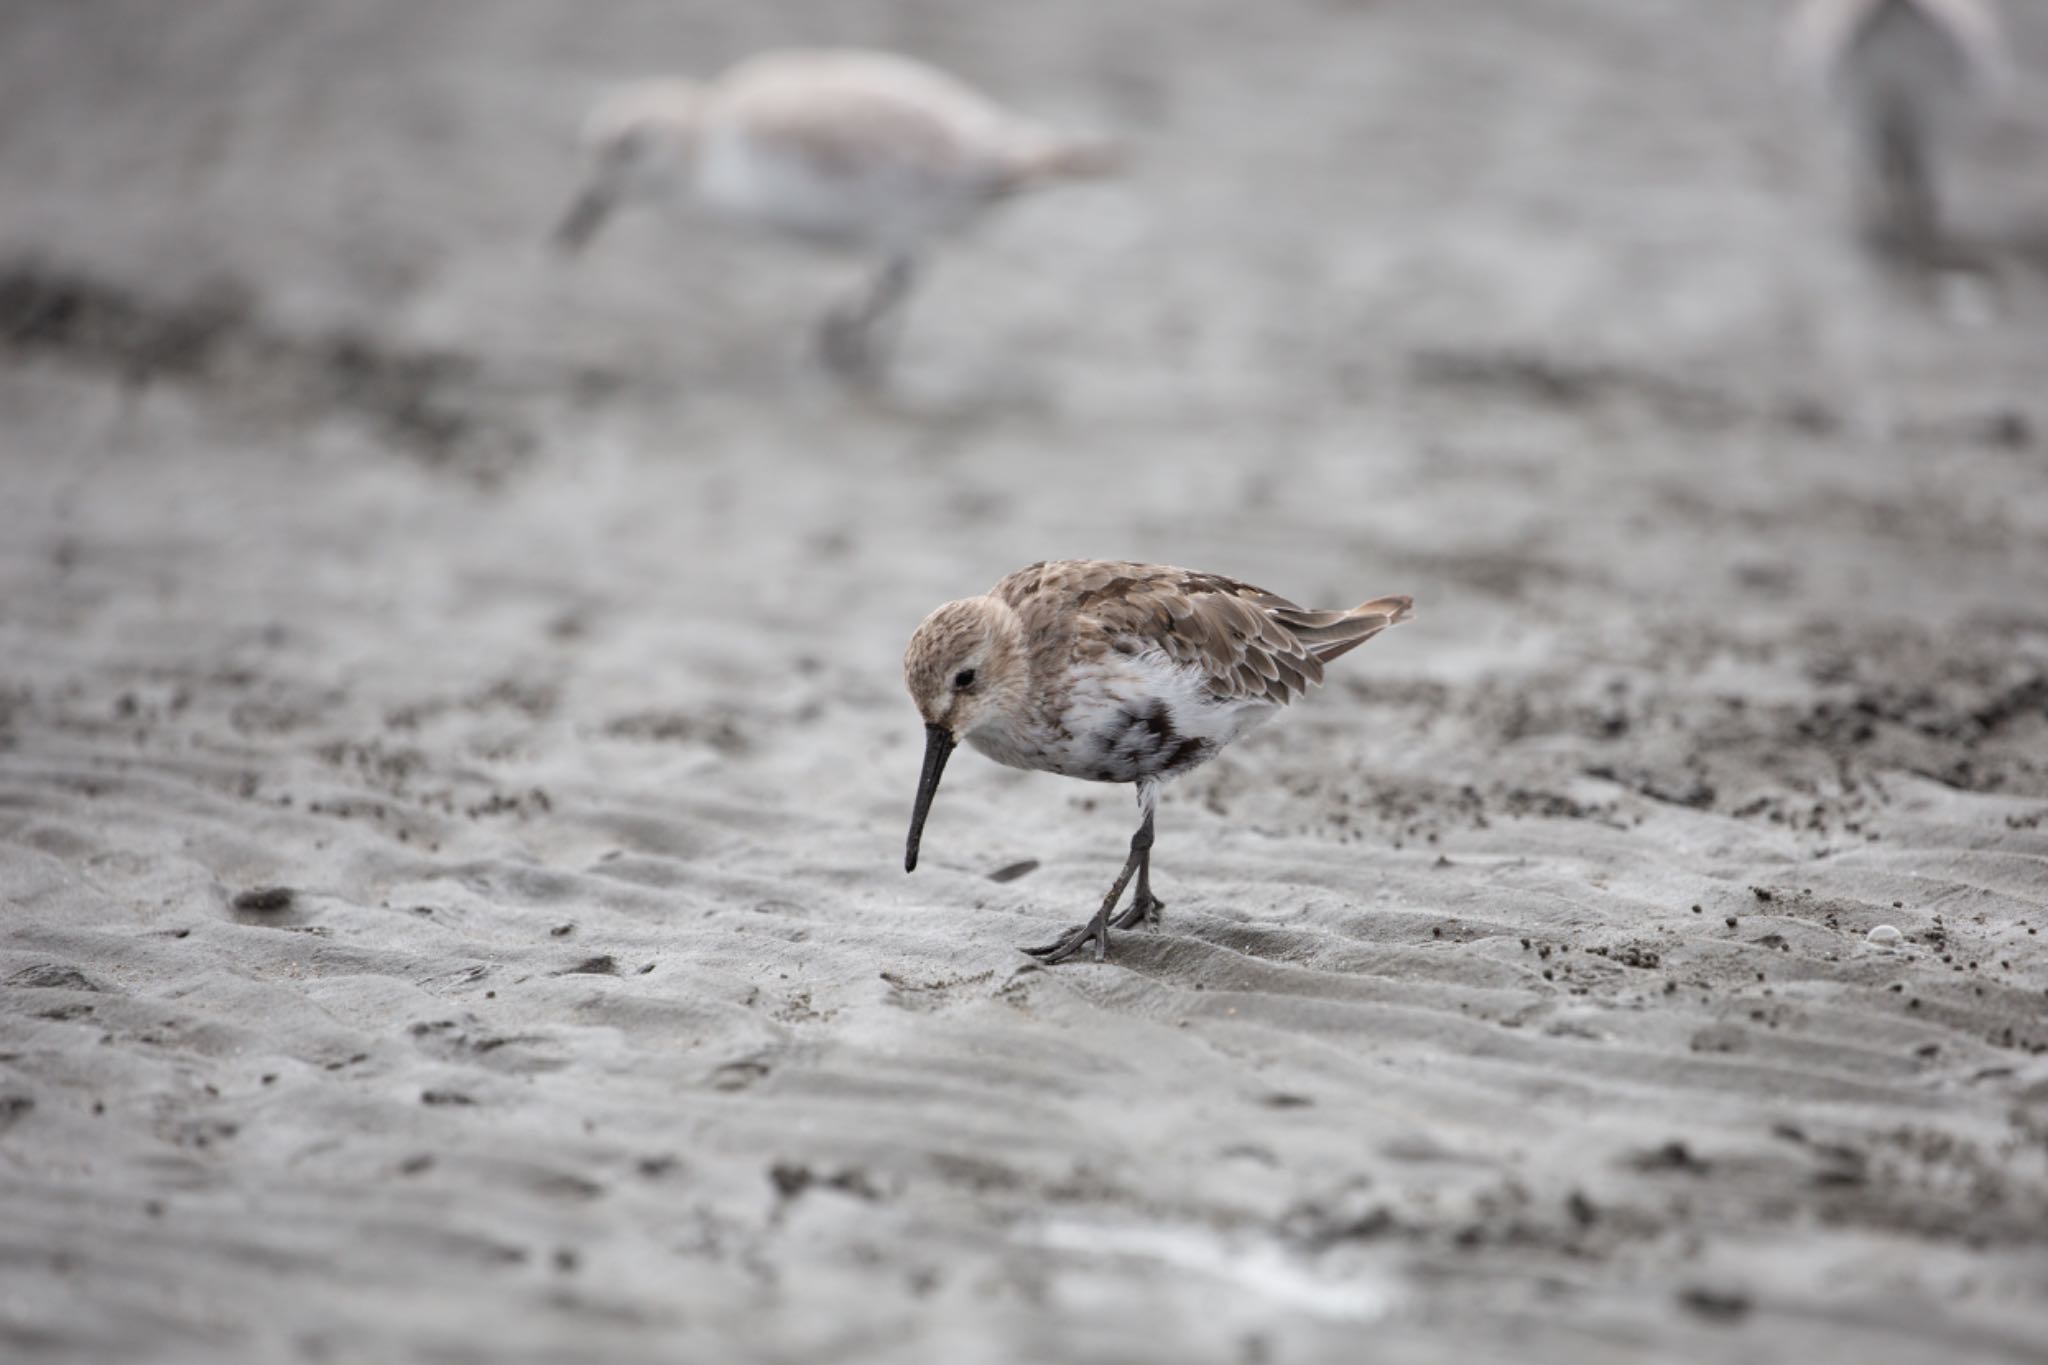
(865, 152)
(1907, 73)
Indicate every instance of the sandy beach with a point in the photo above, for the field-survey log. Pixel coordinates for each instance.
(454, 762)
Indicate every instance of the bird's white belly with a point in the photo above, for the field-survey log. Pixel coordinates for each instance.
(1128, 718)
(873, 208)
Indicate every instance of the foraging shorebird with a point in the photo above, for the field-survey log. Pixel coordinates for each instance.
(1905, 71)
(1115, 672)
(860, 151)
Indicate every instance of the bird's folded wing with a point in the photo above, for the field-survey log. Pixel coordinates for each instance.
(1233, 633)
(856, 116)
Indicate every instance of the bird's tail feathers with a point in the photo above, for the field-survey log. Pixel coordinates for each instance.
(1050, 158)
(1332, 634)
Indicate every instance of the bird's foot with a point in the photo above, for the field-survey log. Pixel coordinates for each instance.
(1095, 931)
(1145, 909)
(846, 344)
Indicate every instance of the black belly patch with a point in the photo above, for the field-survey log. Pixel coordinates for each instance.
(1142, 741)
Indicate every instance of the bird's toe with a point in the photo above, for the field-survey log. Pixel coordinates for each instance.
(1096, 931)
(1145, 911)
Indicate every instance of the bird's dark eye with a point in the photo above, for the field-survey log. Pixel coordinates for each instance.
(963, 680)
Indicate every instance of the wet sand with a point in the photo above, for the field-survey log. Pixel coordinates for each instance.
(453, 763)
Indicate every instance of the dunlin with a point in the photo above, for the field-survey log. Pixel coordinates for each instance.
(1904, 71)
(861, 151)
(1115, 672)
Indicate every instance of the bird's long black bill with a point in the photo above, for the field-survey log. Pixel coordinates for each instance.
(938, 747)
(583, 219)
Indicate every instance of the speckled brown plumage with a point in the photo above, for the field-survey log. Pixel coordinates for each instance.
(1249, 643)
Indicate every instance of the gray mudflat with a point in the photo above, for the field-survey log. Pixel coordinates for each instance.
(453, 766)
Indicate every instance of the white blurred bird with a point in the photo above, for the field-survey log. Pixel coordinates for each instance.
(864, 152)
(1906, 71)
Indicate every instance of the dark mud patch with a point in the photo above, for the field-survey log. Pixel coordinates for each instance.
(1010, 872)
(792, 1179)
(272, 907)
(426, 403)
(1569, 384)
(467, 1040)
(1715, 1304)
(13, 1109)
(46, 311)
(1867, 709)
(924, 996)
(52, 976)
(1674, 1157)
(446, 1099)
(720, 732)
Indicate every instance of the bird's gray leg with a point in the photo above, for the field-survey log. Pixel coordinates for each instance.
(846, 337)
(1899, 151)
(1096, 930)
(1145, 908)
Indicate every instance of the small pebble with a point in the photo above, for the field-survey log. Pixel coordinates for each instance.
(1883, 933)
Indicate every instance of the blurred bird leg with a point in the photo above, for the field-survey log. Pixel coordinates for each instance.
(846, 337)
(1905, 211)
(585, 216)
(1908, 75)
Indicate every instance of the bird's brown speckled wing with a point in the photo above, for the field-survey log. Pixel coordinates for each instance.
(1251, 644)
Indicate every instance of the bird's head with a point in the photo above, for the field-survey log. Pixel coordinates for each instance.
(637, 144)
(967, 671)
